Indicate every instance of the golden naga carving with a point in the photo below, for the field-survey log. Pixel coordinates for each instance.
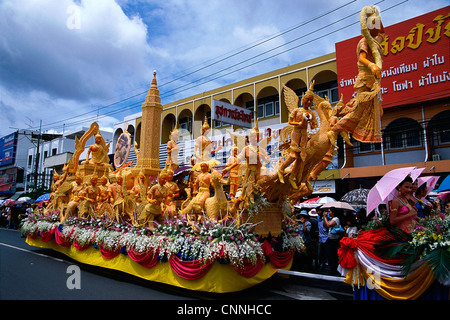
(79, 147)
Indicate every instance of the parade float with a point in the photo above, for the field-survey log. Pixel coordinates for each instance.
(404, 251)
(132, 217)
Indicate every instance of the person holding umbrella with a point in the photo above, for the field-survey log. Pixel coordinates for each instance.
(403, 212)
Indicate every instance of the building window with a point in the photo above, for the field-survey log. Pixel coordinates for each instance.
(369, 147)
(269, 110)
(268, 106)
(439, 128)
(185, 124)
(327, 90)
(403, 133)
(261, 111)
(30, 161)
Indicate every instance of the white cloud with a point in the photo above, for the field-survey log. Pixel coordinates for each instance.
(52, 72)
(71, 70)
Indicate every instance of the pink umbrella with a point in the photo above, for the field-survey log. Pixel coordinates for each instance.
(430, 182)
(385, 186)
(414, 176)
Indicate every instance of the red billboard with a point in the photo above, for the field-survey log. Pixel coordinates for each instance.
(416, 60)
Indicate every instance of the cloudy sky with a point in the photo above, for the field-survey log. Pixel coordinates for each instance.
(69, 63)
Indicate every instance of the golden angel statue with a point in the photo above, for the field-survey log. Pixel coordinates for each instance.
(300, 120)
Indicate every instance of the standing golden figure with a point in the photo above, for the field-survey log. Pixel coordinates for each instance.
(364, 119)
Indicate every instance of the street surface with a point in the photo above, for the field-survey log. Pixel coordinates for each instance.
(31, 273)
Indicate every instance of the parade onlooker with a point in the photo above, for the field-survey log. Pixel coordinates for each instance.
(323, 236)
(351, 230)
(332, 222)
(314, 237)
(304, 229)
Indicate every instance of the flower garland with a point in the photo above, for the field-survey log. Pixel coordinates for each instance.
(225, 241)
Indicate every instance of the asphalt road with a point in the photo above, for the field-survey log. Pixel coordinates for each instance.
(30, 273)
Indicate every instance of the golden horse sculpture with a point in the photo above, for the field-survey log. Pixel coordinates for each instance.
(215, 207)
(319, 148)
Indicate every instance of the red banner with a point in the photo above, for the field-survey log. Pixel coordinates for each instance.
(416, 60)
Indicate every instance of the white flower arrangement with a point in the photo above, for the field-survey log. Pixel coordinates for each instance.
(109, 240)
(206, 241)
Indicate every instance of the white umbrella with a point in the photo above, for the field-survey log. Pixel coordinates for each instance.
(325, 200)
(338, 205)
(24, 199)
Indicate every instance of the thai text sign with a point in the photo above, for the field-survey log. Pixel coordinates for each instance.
(231, 114)
(416, 60)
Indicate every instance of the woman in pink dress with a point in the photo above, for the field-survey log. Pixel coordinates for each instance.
(403, 213)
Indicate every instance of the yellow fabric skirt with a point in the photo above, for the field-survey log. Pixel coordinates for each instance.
(220, 278)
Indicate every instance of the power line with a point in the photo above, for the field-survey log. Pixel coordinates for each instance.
(165, 95)
(211, 64)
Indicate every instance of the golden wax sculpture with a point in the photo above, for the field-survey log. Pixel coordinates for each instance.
(144, 194)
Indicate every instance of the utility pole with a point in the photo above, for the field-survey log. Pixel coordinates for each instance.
(37, 157)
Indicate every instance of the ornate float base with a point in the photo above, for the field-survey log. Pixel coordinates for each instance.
(267, 220)
(218, 278)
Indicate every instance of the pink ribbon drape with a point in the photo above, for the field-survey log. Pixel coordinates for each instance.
(146, 259)
(366, 242)
(46, 236)
(189, 270)
(80, 247)
(61, 239)
(281, 259)
(107, 254)
(249, 269)
(278, 259)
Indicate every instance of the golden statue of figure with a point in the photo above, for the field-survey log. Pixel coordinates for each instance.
(60, 193)
(364, 121)
(156, 196)
(171, 185)
(196, 205)
(233, 169)
(170, 210)
(202, 147)
(105, 199)
(72, 207)
(253, 156)
(139, 190)
(88, 198)
(300, 119)
(99, 151)
(337, 112)
(117, 193)
(173, 149)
